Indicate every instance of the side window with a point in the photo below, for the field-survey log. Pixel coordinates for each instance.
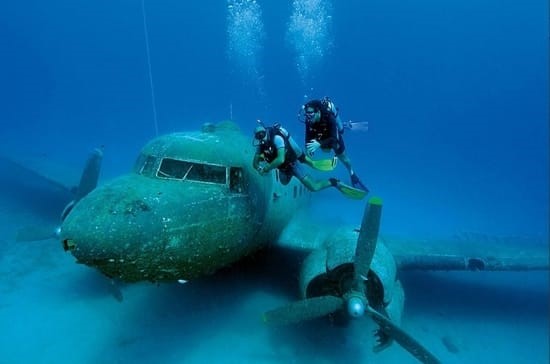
(148, 166)
(144, 164)
(236, 180)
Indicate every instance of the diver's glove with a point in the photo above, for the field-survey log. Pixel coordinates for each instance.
(312, 146)
(263, 170)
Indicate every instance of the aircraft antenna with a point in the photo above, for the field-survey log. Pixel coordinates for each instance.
(153, 102)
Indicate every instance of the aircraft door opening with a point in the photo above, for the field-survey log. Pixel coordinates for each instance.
(236, 180)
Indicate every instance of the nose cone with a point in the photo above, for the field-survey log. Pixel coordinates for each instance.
(138, 228)
(111, 222)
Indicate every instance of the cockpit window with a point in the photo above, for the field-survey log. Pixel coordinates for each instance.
(192, 171)
(144, 164)
(148, 165)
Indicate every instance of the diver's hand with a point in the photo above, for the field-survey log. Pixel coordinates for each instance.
(263, 170)
(312, 146)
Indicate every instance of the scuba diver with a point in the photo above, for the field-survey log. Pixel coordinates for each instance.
(275, 148)
(325, 130)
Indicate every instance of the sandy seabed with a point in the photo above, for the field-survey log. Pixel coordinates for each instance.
(52, 310)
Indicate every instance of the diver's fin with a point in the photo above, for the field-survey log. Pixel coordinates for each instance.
(351, 192)
(356, 125)
(356, 182)
(324, 165)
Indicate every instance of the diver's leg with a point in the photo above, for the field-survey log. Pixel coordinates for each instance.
(339, 152)
(284, 176)
(309, 182)
(314, 185)
(355, 181)
(346, 161)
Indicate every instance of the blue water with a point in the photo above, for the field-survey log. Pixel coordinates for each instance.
(455, 94)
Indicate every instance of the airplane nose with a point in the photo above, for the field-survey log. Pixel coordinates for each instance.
(141, 229)
(112, 227)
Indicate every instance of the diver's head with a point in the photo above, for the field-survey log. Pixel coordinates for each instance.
(260, 135)
(312, 111)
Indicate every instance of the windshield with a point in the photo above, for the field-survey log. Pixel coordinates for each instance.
(192, 171)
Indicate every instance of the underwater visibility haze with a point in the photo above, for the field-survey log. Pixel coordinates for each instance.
(450, 100)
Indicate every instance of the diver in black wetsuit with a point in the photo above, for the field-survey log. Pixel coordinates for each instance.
(325, 130)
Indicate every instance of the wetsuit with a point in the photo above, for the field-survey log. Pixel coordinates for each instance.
(326, 132)
(280, 138)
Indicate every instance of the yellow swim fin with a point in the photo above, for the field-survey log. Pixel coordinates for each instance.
(351, 192)
(325, 165)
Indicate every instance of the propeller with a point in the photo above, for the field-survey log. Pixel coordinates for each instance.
(366, 242)
(88, 181)
(354, 301)
(402, 338)
(306, 309)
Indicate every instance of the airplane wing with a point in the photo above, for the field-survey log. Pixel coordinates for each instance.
(460, 252)
(470, 252)
(35, 184)
(303, 235)
(36, 173)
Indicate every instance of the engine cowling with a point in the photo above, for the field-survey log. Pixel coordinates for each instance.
(330, 271)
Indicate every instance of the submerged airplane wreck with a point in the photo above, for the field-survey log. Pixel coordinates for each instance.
(193, 204)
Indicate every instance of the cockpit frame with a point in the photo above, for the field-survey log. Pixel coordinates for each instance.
(190, 170)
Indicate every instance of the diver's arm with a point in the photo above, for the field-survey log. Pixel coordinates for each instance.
(256, 160)
(339, 124)
(277, 161)
(309, 135)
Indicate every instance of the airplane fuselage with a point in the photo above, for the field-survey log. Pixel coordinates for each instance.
(192, 205)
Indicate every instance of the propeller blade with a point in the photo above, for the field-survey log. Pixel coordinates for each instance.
(88, 181)
(90, 174)
(368, 235)
(307, 309)
(402, 338)
(35, 233)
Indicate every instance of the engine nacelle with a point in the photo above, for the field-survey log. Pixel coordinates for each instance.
(330, 271)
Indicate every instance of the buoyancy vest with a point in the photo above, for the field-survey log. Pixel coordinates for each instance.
(327, 129)
(269, 149)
